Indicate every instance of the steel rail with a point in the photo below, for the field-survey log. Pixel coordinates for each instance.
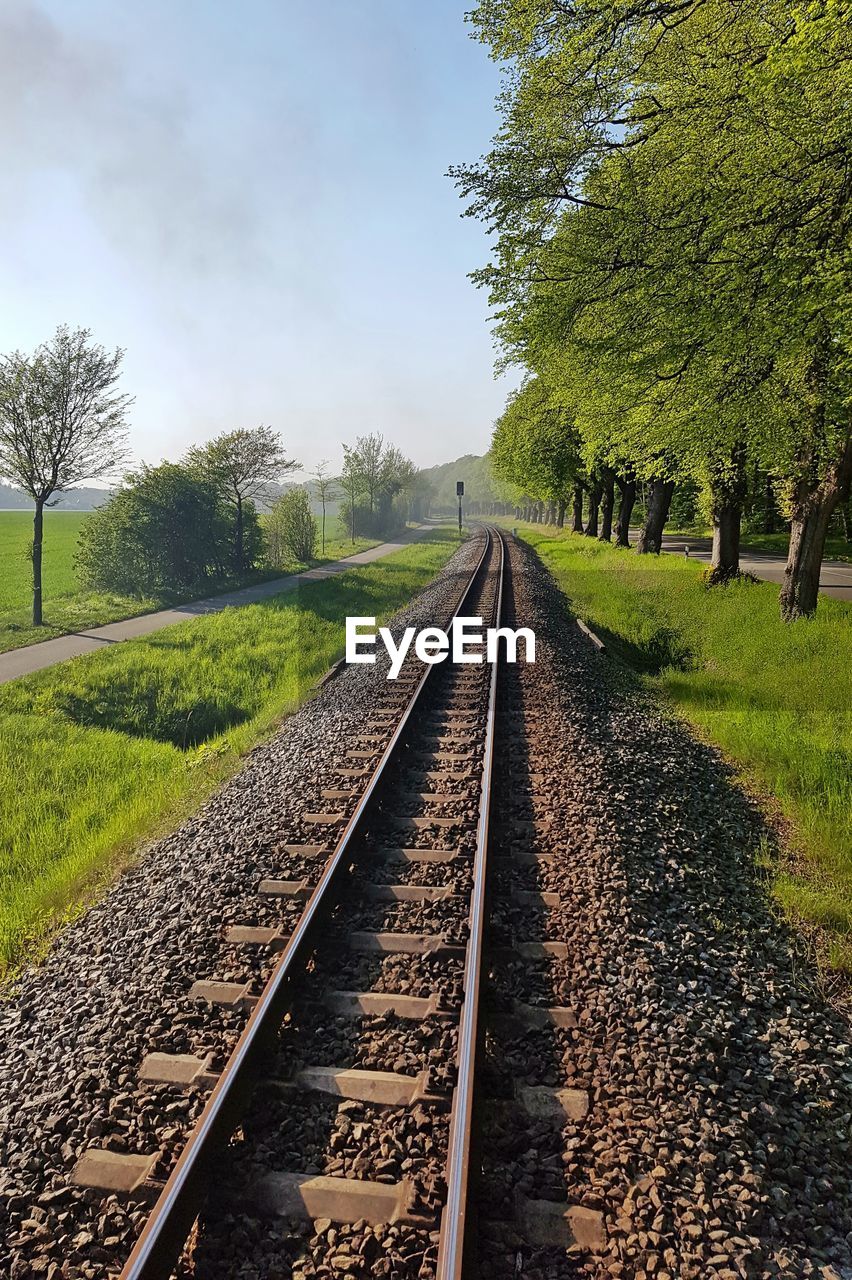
(162, 1238)
(454, 1240)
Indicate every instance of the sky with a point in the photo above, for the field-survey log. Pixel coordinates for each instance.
(250, 199)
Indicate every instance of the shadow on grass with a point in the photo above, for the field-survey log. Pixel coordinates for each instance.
(664, 649)
(142, 713)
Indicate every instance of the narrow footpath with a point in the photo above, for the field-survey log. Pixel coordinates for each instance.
(34, 657)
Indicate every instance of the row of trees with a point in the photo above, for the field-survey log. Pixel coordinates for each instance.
(181, 526)
(670, 192)
(379, 486)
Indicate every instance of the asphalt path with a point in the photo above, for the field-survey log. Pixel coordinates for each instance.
(34, 657)
(835, 575)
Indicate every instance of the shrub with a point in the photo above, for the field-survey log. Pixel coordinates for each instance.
(166, 532)
(291, 530)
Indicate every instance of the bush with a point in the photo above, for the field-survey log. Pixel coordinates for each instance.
(291, 530)
(166, 532)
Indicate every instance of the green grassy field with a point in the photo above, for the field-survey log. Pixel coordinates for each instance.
(66, 606)
(104, 750)
(777, 699)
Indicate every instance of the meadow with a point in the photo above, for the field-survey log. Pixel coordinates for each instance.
(67, 607)
(101, 752)
(777, 699)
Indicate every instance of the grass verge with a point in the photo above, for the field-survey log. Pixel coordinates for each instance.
(776, 698)
(114, 747)
(67, 607)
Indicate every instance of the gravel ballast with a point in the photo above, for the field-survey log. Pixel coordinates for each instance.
(717, 1142)
(719, 1079)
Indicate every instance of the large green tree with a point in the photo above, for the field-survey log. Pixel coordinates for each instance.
(670, 191)
(165, 532)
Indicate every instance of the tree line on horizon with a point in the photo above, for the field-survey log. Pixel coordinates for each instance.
(178, 526)
(669, 191)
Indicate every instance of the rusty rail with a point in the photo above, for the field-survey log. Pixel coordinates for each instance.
(162, 1239)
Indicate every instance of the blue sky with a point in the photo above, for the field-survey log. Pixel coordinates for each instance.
(250, 198)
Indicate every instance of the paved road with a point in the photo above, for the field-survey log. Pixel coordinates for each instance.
(835, 577)
(22, 662)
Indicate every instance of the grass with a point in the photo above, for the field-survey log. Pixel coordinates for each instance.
(111, 748)
(66, 606)
(776, 698)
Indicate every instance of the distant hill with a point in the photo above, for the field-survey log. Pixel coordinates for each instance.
(473, 469)
(82, 499)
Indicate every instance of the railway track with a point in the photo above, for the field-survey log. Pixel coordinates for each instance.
(354, 1089)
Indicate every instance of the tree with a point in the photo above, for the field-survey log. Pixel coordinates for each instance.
(244, 463)
(369, 454)
(292, 529)
(671, 198)
(324, 488)
(536, 447)
(62, 420)
(350, 481)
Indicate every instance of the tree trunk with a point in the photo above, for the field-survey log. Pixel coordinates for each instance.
(725, 561)
(625, 511)
(38, 538)
(607, 504)
(651, 534)
(591, 529)
(728, 492)
(560, 513)
(811, 511)
(577, 509)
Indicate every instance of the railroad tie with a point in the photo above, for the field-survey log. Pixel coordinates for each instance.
(408, 893)
(299, 889)
(184, 1069)
(306, 850)
(117, 1172)
(553, 1225)
(417, 855)
(251, 935)
(227, 995)
(410, 944)
(342, 1200)
(380, 1088)
(357, 1004)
